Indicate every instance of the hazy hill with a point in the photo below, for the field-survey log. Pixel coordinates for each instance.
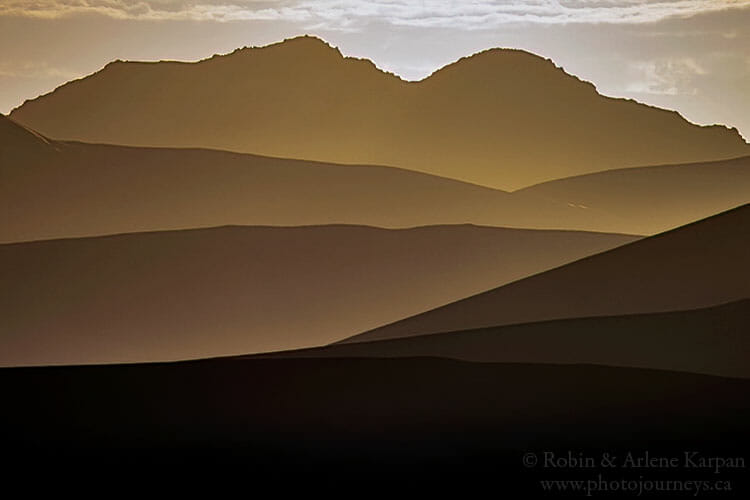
(698, 265)
(55, 189)
(648, 200)
(232, 290)
(500, 118)
(713, 341)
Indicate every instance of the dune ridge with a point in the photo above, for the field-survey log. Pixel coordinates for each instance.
(697, 265)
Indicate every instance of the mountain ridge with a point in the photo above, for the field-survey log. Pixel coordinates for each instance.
(483, 126)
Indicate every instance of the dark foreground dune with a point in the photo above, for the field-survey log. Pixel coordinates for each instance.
(712, 341)
(698, 265)
(434, 421)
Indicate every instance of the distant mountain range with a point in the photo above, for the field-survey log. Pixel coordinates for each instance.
(56, 189)
(501, 118)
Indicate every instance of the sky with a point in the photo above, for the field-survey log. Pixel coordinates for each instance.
(689, 55)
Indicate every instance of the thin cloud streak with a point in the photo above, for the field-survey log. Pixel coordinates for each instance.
(348, 15)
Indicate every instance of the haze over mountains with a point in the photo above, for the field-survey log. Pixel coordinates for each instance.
(56, 189)
(501, 118)
(480, 342)
(699, 265)
(213, 292)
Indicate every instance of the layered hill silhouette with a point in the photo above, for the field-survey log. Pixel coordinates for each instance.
(650, 200)
(500, 118)
(224, 291)
(712, 341)
(57, 189)
(699, 265)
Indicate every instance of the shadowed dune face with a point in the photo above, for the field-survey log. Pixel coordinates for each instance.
(712, 341)
(699, 265)
(501, 118)
(224, 291)
(54, 189)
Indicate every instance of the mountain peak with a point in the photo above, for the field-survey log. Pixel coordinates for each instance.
(302, 46)
(480, 119)
(510, 65)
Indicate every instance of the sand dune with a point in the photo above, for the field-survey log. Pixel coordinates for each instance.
(649, 200)
(501, 118)
(698, 265)
(209, 292)
(712, 341)
(55, 189)
(350, 421)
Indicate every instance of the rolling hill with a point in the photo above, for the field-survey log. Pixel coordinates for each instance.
(56, 189)
(650, 200)
(501, 118)
(173, 295)
(699, 265)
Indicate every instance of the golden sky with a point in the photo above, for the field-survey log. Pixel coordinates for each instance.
(688, 55)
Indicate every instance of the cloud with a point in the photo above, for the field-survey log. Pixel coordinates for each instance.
(354, 14)
(671, 76)
(206, 10)
(34, 70)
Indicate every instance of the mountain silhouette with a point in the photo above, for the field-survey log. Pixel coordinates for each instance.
(500, 118)
(58, 189)
(699, 265)
(710, 341)
(162, 296)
